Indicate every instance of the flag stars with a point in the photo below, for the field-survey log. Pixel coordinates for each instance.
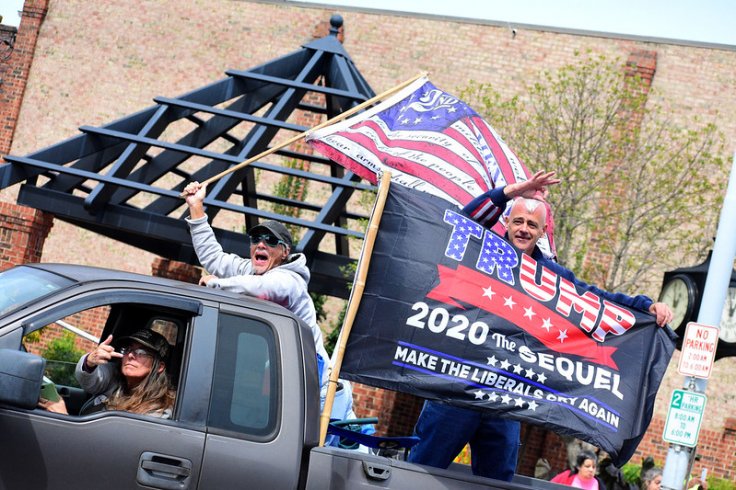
(529, 312)
(562, 336)
(541, 378)
(405, 120)
(417, 120)
(533, 405)
(488, 292)
(505, 365)
(546, 324)
(492, 361)
(529, 373)
(506, 399)
(509, 302)
(493, 396)
(518, 368)
(519, 402)
(479, 395)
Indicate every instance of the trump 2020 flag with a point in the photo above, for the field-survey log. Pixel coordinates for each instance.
(452, 312)
(431, 142)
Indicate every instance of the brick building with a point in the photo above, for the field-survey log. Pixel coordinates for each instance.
(77, 62)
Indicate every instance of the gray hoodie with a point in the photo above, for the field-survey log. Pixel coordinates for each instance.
(285, 284)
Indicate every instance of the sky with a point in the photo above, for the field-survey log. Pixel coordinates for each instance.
(708, 21)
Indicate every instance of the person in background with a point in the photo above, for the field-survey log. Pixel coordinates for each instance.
(138, 383)
(651, 479)
(582, 475)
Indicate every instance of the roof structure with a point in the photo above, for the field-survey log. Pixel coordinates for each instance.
(123, 179)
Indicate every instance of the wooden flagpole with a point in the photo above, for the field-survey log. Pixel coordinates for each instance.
(333, 120)
(355, 297)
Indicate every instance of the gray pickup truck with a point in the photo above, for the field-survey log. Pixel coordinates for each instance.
(246, 413)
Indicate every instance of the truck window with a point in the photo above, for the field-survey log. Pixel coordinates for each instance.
(245, 393)
(63, 334)
(65, 340)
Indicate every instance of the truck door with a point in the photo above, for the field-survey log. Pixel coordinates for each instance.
(256, 415)
(109, 449)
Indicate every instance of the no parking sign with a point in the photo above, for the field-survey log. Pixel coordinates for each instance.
(698, 350)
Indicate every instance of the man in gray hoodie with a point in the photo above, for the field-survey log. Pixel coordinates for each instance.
(272, 273)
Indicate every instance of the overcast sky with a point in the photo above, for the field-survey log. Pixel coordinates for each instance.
(710, 21)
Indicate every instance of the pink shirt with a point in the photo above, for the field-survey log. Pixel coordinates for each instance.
(591, 484)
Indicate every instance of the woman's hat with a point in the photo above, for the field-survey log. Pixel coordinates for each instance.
(153, 340)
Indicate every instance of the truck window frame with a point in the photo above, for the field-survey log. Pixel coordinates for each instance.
(231, 353)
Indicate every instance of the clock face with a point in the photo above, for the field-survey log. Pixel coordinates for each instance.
(679, 294)
(728, 318)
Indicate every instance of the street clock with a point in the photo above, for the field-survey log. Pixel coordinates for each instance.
(682, 290)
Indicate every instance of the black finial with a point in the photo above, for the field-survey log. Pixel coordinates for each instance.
(335, 23)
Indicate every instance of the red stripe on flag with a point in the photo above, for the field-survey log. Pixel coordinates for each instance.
(409, 167)
(498, 153)
(469, 286)
(438, 151)
(346, 161)
(469, 146)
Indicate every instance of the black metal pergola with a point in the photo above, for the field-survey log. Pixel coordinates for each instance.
(123, 180)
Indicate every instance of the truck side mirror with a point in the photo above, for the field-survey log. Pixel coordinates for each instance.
(21, 374)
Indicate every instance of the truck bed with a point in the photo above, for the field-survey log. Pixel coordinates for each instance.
(332, 468)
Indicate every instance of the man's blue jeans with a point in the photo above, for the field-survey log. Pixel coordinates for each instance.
(444, 430)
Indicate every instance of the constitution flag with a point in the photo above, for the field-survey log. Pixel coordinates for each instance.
(431, 141)
(451, 311)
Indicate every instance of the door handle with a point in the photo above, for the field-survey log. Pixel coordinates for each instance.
(163, 471)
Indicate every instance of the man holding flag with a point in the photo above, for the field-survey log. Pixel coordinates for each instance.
(445, 429)
(453, 312)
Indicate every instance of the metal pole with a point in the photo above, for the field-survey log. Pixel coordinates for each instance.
(677, 465)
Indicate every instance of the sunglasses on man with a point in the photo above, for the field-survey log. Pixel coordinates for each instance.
(269, 240)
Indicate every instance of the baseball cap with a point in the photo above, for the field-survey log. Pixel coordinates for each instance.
(275, 228)
(153, 340)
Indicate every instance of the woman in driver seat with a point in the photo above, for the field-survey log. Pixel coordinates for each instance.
(138, 384)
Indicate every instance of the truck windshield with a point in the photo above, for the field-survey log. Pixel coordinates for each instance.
(21, 285)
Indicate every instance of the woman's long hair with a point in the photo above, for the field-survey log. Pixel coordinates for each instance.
(155, 394)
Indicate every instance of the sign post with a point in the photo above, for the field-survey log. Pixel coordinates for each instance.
(679, 456)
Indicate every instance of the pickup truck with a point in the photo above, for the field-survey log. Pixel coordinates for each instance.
(246, 412)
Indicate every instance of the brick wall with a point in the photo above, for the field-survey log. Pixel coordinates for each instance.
(15, 64)
(173, 269)
(124, 53)
(23, 232)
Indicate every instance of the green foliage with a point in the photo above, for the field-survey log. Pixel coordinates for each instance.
(632, 473)
(331, 339)
(62, 350)
(294, 188)
(715, 483)
(631, 177)
(348, 271)
(319, 305)
(33, 337)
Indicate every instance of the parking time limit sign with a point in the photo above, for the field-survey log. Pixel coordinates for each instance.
(684, 417)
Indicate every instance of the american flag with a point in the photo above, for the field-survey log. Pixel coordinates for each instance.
(430, 140)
